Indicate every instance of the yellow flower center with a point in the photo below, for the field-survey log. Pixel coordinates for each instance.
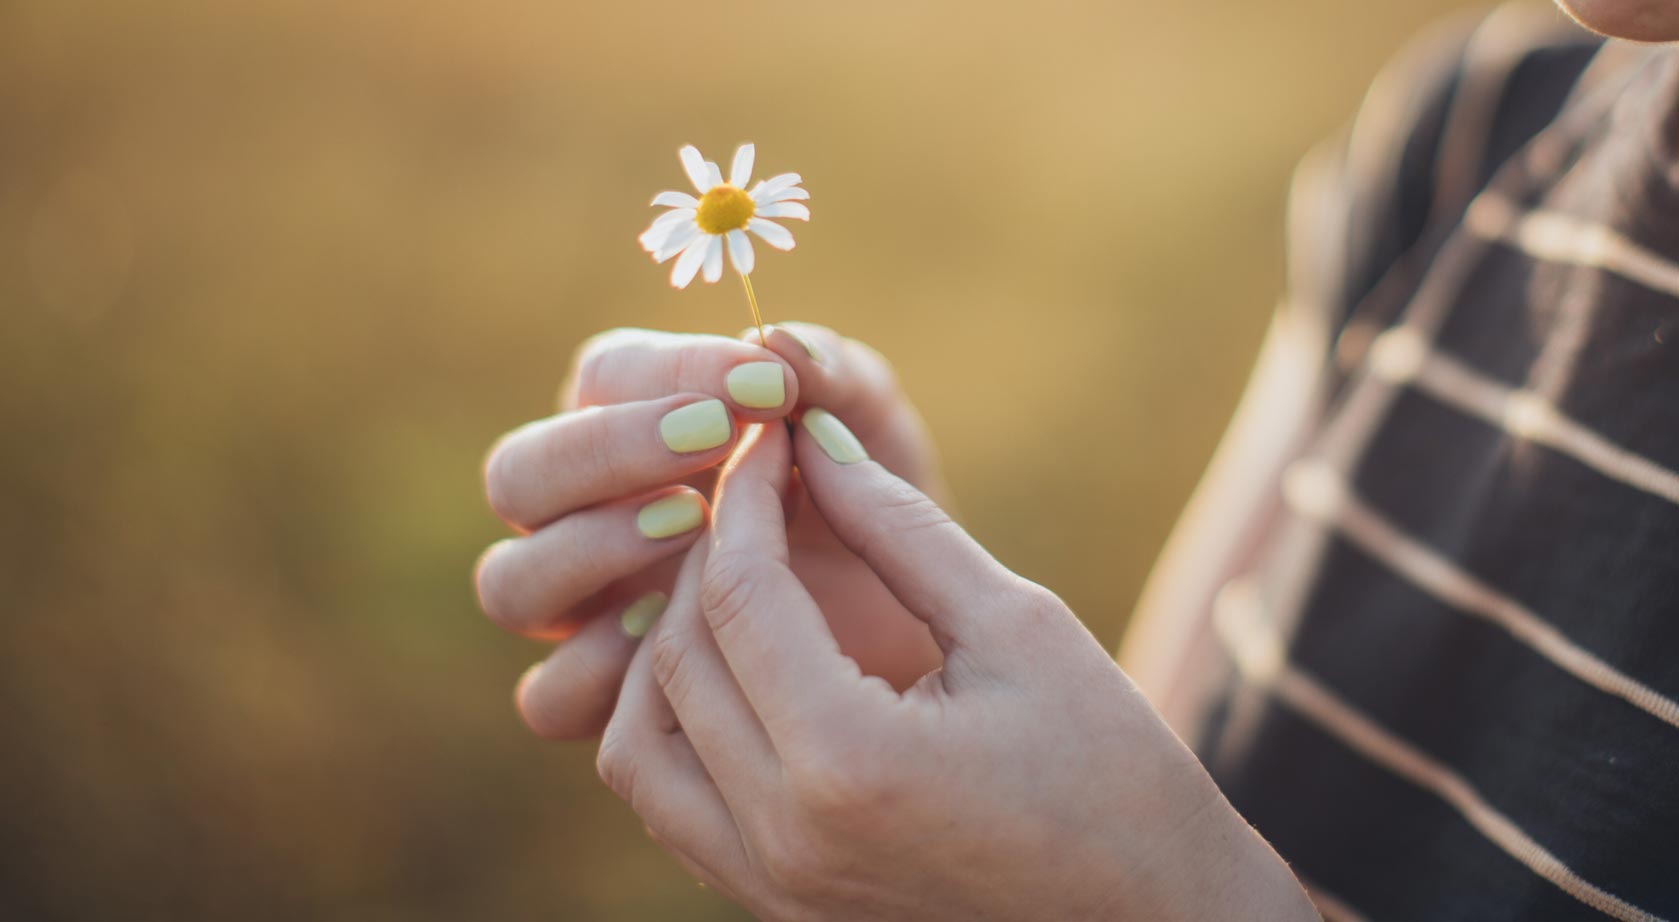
(724, 209)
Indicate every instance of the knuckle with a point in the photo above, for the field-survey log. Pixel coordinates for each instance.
(589, 360)
(498, 481)
(906, 510)
(684, 361)
(587, 561)
(696, 364)
(794, 866)
(1036, 608)
(1041, 600)
(841, 783)
(599, 448)
(670, 663)
(575, 703)
(490, 581)
(848, 773)
(910, 508)
(544, 715)
(726, 588)
(594, 679)
(615, 764)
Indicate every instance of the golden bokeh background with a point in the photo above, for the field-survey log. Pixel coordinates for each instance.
(274, 273)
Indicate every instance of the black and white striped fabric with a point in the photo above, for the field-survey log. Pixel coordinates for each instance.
(1454, 676)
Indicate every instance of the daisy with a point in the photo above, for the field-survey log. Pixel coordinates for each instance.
(696, 231)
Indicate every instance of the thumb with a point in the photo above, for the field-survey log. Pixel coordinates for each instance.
(974, 606)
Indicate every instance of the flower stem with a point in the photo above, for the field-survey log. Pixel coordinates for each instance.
(752, 299)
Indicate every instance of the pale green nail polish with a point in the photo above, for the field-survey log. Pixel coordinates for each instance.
(696, 427)
(639, 617)
(835, 439)
(758, 385)
(670, 515)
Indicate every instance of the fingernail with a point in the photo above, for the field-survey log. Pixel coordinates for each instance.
(696, 427)
(639, 617)
(836, 441)
(758, 385)
(809, 347)
(670, 515)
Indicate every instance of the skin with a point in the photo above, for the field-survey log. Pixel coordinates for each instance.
(1635, 20)
(570, 486)
(780, 774)
(849, 709)
(789, 730)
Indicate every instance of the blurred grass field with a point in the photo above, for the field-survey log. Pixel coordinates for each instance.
(274, 274)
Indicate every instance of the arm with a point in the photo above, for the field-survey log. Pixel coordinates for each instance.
(1358, 209)
(1169, 649)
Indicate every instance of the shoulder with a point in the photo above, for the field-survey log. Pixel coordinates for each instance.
(1439, 119)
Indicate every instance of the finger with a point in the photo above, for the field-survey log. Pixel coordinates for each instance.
(707, 701)
(627, 365)
(841, 373)
(548, 468)
(853, 381)
(647, 760)
(528, 585)
(940, 573)
(570, 694)
(770, 631)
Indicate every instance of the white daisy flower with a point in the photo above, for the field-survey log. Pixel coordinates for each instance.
(696, 231)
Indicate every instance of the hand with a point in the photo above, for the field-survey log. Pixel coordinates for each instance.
(586, 573)
(1027, 779)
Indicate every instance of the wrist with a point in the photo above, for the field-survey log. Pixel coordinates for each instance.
(1256, 883)
(1218, 867)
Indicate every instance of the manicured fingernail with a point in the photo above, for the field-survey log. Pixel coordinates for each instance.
(670, 515)
(639, 617)
(837, 441)
(809, 347)
(696, 427)
(758, 385)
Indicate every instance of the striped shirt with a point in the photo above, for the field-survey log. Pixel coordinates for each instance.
(1449, 681)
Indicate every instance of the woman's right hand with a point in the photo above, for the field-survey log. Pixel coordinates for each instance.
(606, 494)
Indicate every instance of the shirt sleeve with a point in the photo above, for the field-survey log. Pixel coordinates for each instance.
(1368, 208)
(1361, 200)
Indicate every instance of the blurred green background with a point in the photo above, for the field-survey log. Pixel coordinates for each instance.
(274, 274)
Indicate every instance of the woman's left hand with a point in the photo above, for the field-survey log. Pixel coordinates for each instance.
(1027, 779)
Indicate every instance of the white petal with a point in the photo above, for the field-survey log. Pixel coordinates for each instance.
(740, 251)
(660, 230)
(654, 237)
(784, 210)
(788, 194)
(689, 262)
(774, 234)
(775, 184)
(741, 172)
(694, 165)
(674, 215)
(713, 174)
(680, 237)
(714, 259)
(675, 200)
